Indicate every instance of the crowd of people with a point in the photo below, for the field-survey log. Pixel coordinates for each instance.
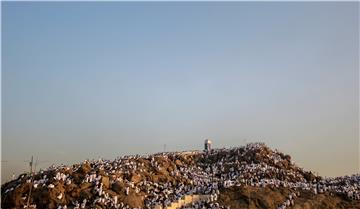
(205, 205)
(347, 185)
(187, 173)
(290, 200)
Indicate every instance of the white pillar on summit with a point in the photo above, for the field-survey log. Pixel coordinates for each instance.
(207, 145)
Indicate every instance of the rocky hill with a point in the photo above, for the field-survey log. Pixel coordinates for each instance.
(251, 176)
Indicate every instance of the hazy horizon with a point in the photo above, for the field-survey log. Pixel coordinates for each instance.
(82, 80)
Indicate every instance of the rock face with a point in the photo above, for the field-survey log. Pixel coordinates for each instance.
(241, 176)
(264, 198)
(105, 181)
(117, 187)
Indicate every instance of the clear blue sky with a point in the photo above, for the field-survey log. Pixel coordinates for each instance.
(83, 80)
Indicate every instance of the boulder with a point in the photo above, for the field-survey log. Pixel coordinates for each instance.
(105, 181)
(117, 187)
(135, 178)
(85, 168)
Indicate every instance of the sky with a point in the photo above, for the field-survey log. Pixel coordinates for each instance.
(88, 80)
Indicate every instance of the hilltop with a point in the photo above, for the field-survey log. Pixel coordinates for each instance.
(251, 176)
